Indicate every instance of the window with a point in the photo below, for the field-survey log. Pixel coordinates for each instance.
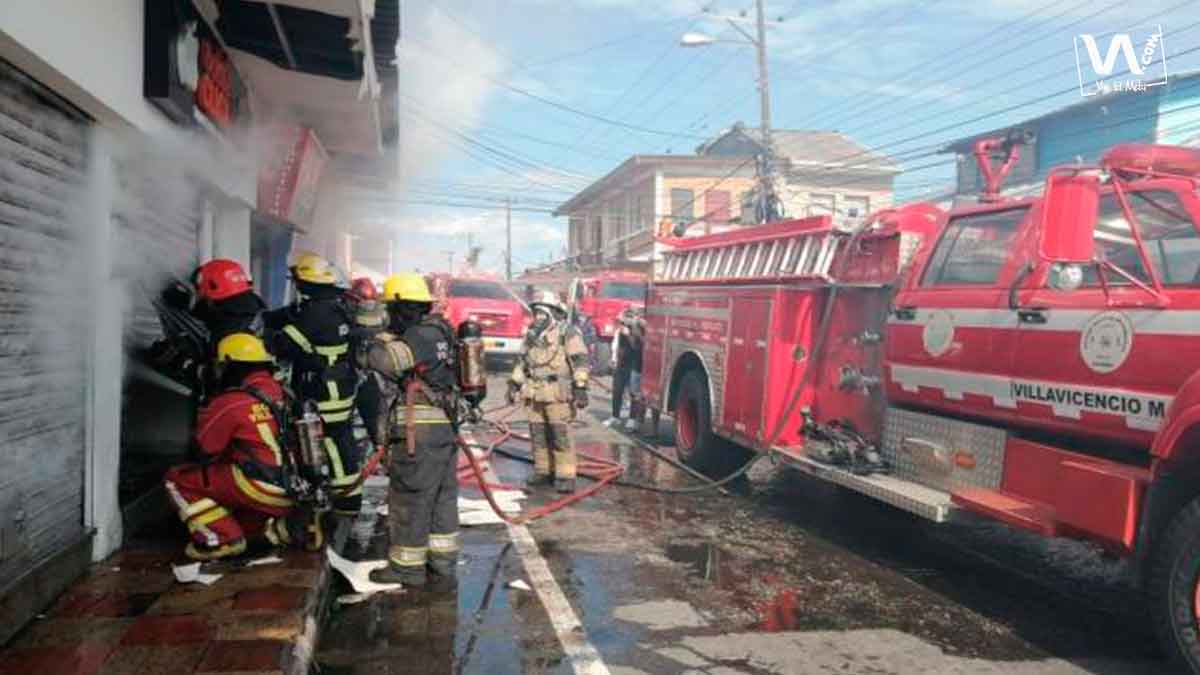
(973, 248)
(855, 207)
(716, 206)
(820, 204)
(1171, 240)
(681, 206)
(487, 290)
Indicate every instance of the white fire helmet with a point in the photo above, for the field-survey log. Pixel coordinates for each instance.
(549, 299)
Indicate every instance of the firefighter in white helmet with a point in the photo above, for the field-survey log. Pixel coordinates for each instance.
(550, 377)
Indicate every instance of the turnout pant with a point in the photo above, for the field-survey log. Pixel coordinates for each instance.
(553, 449)
(220, 504)
(423, 501)
(345, 461)
(620, 382)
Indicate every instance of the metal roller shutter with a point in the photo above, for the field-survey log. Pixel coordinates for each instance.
(157, 214)
(43, 149)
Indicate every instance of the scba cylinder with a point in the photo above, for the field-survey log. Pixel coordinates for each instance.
(472, 371)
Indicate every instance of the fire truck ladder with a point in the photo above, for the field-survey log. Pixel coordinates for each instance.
(804, 254)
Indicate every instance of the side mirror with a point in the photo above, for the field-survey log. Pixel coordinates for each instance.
(1070, 208)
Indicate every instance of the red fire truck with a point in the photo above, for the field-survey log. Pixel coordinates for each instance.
(488, 302)
(1034, 361)
(602, 298)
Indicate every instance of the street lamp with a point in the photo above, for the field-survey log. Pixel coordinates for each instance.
(759, 42)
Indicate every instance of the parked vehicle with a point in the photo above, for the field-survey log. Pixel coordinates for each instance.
(501, 315)
(602, 298)
(1034, 361)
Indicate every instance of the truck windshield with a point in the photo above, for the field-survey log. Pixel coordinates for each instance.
(479, 289)
(1167, 230)
(619, 290)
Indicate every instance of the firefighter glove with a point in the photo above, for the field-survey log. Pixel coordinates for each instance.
(581, 397)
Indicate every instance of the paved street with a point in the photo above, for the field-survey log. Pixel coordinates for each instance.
(783, 576)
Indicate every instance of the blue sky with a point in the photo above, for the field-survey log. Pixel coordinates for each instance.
(882, 71)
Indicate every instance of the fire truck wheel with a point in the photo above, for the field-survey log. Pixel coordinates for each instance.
(695, 442)
(1174, 587)
(603, 358)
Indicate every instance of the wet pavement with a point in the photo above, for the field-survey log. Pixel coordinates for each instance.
(784, 575)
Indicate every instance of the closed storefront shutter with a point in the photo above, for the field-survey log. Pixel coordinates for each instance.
(43, 150)
(157, 214)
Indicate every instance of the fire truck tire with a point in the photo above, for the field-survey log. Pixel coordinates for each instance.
(603, 355)
(1174, 588)
(695, 442)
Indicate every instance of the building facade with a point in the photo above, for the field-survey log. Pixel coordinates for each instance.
(1082, 132)
(139, 138)
(613, 221)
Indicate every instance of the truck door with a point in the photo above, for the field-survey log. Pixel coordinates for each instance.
(746, 368)
(1106, 365)
(950, 334)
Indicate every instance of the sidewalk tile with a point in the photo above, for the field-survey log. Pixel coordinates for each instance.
(273, 626)
(80, 659)
(168, 630)
(146, 659)
(238, 655)
(273, 598)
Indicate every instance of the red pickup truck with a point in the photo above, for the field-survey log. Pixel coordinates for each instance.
(499, 312)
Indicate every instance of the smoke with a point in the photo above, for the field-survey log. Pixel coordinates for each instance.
(444, 82)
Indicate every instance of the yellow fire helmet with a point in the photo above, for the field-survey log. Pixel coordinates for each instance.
(407, 287)
(312, 268)
(242, 348)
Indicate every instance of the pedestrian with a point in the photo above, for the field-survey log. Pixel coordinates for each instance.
(313, 335)
(415, 361)
(551, 375)
(627, 369)
(239, 491)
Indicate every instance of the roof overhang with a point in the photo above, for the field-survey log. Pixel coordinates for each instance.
(312, 62)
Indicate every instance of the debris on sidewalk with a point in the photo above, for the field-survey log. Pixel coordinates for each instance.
(520, 585)
(189, 574)
(473, 512)
(267, 560)
(359, 574)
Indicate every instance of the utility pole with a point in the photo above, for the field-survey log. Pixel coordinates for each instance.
(767, 170)
(508, 238)
(449, 261)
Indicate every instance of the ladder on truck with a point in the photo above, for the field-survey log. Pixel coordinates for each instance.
(781, 254)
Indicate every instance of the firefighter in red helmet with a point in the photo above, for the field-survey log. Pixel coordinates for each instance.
(239, 491)
(226, 302)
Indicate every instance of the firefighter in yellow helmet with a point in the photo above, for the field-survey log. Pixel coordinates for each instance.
(415, 364)
(239, 492)
(314, 336)
(550, 377)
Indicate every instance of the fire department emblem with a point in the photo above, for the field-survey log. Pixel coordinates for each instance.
(938, 334)
(1106, 341)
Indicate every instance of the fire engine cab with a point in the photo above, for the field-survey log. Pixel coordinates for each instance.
(1034, 361)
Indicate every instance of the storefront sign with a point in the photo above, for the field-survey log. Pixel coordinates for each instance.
(186, 70)
(291, 174)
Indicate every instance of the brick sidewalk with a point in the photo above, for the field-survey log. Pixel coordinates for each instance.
(128, 614)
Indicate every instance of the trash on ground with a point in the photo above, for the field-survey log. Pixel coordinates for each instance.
(359, 573)
(268, 560)
(188, 574)
(520, 585)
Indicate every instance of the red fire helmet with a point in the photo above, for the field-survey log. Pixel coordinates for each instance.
(221, 278)
(363, 289)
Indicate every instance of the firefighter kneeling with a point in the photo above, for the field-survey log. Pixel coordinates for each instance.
(416, 364)
(551, 375)
(240, 491)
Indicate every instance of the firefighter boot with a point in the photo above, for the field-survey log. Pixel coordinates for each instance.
(539, 480)
(205, 553)
(404, 576)
(565, 485)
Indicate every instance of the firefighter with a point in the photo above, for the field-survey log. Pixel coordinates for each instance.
(415, 362)
(370, 319)
(226, 303)
(240, 491)
(550, 376)
(314, 335)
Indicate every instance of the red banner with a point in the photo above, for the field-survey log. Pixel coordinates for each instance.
(291, 174)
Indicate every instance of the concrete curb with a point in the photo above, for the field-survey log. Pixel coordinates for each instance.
(299, 659)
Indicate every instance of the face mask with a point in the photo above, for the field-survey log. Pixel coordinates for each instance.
(541, 321)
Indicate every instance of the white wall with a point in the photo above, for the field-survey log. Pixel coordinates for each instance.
(89, 51)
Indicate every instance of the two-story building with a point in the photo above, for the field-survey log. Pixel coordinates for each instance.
(612, 222)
